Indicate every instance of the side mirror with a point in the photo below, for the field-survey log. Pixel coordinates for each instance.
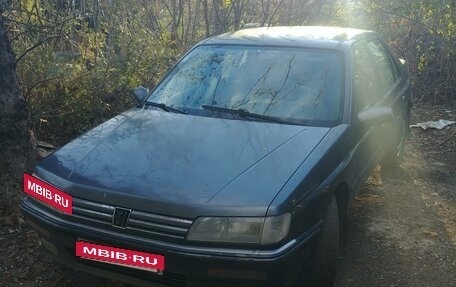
(375, 116)
(140, 94)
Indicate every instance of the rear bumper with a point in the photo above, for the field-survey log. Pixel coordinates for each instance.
(185, 265)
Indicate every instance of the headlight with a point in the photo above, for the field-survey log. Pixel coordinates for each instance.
(261, 230)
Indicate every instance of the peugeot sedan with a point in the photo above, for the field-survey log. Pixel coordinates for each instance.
(236, 170)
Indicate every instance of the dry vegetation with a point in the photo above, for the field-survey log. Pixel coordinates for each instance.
(79, 60)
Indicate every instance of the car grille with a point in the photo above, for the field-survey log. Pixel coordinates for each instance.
(137, 221)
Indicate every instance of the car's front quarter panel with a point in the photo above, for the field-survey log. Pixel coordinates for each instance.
(307, 192)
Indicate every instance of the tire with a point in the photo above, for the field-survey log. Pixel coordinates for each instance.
(395, 156)
(324, 264)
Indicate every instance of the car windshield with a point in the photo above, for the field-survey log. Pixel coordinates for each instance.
(299, 85)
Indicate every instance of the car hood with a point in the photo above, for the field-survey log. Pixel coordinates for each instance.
(146, 158)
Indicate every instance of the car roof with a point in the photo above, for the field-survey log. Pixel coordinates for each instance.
(295, 36)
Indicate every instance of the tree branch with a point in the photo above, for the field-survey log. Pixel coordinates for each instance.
(39, 43)
(273, 14)
(432, 30)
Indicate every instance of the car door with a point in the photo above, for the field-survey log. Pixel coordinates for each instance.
(367, 92)
(395, 90)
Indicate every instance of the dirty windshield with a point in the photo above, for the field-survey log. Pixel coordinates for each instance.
(299, 85)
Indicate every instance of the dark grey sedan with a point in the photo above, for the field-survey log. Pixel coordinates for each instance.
(236, 170)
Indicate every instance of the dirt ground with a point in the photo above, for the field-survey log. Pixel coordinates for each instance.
(401, 227)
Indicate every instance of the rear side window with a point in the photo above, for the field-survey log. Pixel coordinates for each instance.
(388, 73)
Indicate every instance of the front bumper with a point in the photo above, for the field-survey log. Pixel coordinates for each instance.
(185, 265)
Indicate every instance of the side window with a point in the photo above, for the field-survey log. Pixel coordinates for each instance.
(388, 73)
(365, 81)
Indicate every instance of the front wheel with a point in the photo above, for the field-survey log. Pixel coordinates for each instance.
(324, 264)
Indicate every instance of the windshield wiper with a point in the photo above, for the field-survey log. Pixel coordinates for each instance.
(165, 107)
(246, 114)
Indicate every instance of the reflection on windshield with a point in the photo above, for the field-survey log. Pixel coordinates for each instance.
(290, 83)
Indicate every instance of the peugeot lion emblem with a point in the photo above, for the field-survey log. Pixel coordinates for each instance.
(120, 217)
